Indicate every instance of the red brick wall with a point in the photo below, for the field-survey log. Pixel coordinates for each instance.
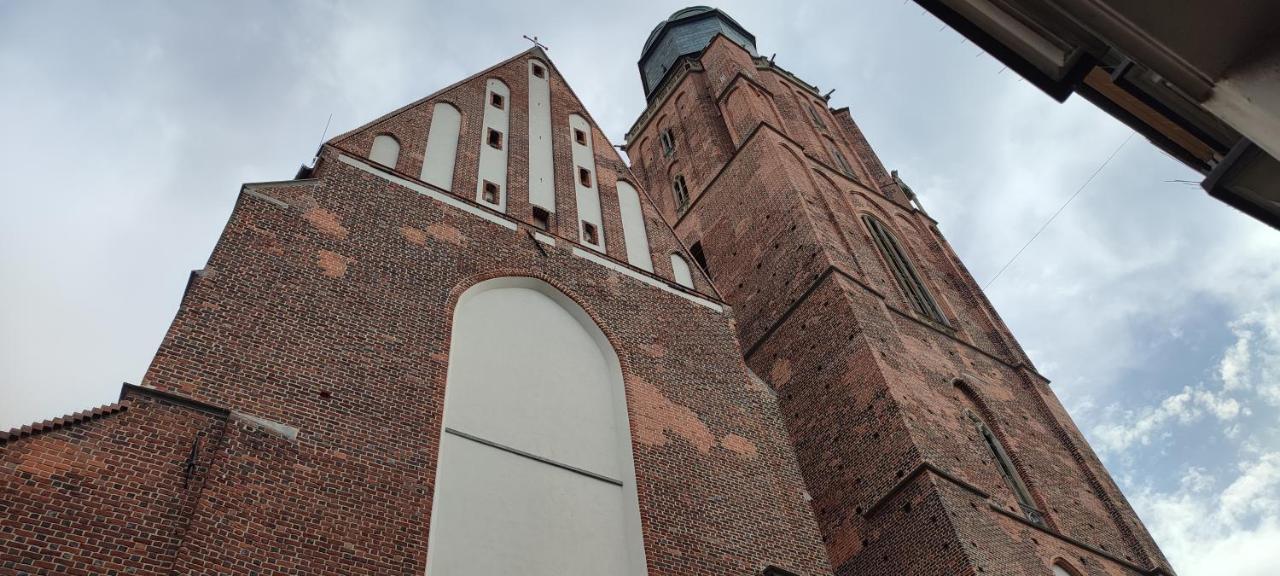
(107, 495)
(329, 312)
(864, 382)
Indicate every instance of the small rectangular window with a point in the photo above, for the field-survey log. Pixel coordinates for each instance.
(681, 193)
(541, 218)
(495, 139)
(668, 139)
(579, 136)
(584, 177)
(539, 71)
(496, 100)
(590, 234)
(491, 192)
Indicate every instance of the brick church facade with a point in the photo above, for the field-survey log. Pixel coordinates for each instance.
(471, 339)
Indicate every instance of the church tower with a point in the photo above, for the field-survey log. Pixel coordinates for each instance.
(928, 441)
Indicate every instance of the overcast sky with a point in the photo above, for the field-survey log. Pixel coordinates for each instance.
(128, 128)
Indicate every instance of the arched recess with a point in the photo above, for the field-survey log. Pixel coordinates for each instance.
(535, 474)
(1061, 568)
(680, 268)
(442, 146)
(979, 417)
(633, 229)
(385, 150)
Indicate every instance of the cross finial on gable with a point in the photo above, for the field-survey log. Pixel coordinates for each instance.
(536, 43)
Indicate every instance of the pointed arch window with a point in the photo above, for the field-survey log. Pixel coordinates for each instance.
(906, 274)
(1007, 469)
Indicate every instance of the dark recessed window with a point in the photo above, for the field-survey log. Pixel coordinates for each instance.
(590, 234)
(584, 177)
(491, 192)
(579, 136)
(668, 139)
(539, 71)
(541, 217)
(699, 257)
(495, 138)
(681, 193)
(496, 100)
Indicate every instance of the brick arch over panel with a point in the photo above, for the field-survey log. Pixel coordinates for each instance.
(534, 406)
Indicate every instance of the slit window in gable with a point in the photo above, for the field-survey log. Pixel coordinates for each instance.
(495, 139)
(541, 218)
(496, 100)
(492, 194)
(590, 234)
(580, 137)
(584, 177)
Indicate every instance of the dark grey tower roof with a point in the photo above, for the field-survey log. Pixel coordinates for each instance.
(685, 32)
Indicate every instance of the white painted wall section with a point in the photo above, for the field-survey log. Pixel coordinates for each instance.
(493, 162)
(542, 187)
(385, 150)
(633, 230)
(681, 270)
(533, 389)
(442, 146)
(588, 196)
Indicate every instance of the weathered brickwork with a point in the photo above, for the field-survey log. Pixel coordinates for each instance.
(874, 394)
(325, 308)
(291, 420)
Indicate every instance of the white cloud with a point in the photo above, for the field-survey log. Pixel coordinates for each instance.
(1122, 429)
(1233, 531)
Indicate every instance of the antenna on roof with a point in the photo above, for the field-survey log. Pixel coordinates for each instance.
(326, 128)
(536, 42)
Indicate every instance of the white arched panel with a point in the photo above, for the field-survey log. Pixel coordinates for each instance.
(535, 475)
(680, 268)
(633, 232)
(542, 190)
(493, 161)
(587, 193)
(442, 146)
(385, 150)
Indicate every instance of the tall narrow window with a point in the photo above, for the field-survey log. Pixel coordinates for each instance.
(699, 257)
(681, 193)
(904, 271)
(841, 162)
(1007, 469)
(668, 139)
(535, 449)
(813, 112)
(385, 150)
(680, 269)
